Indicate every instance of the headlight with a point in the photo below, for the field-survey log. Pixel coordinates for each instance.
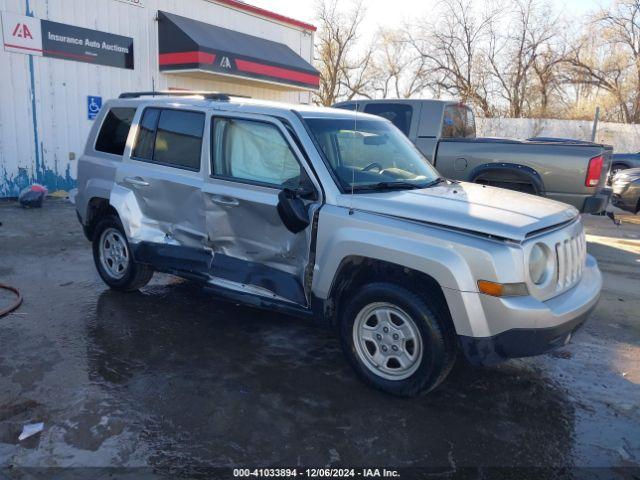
(539, 264)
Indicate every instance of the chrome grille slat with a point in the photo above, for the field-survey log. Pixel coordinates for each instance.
(576, 260)
(571, 256)
(561, 262)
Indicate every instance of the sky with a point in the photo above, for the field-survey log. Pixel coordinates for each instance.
(391, 13)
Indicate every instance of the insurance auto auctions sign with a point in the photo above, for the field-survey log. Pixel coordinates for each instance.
(51, 39)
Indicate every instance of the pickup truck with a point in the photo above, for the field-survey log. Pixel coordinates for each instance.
(572, 172)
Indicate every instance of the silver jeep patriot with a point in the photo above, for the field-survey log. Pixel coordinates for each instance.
(335, 215)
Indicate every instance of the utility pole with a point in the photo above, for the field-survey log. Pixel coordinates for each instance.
(595, 125)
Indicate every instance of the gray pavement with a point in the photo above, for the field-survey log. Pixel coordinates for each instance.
(173, 379)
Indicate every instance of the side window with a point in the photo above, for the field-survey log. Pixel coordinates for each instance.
(179, 139)
(146, 134)
(115, 129)
(253, 151)
(170, 137)
(397, 113)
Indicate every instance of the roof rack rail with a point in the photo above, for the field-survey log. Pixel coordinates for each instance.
(222, 97)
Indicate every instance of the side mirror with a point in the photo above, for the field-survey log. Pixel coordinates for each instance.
(292, 210)
(306, 190)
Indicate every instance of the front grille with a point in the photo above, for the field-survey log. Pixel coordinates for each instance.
(571, 255)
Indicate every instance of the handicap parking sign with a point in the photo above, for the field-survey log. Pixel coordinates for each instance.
(94, 104)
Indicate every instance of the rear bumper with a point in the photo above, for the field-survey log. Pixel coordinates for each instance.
(597, 203)
(542, 326)
(584, 202)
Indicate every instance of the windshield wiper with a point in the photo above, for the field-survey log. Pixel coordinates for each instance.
(435, 182)
(388, 186)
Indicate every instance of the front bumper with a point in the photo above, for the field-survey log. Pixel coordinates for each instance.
(627, 196)
(542, 326)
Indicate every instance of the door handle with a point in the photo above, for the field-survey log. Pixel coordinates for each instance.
(225, 201)
(137, 181)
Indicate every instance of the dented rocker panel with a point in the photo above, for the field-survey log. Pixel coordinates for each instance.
(221, 270)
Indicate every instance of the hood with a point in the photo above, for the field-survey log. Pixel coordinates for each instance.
(467, 206)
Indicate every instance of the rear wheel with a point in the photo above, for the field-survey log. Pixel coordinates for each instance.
(396, 340)
(113, 259)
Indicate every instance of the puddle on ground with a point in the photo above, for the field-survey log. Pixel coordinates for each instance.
(210, 384)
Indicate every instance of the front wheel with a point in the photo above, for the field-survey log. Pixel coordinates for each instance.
(113, 259)
(397, 341)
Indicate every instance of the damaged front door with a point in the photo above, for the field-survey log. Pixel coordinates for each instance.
(252, 161)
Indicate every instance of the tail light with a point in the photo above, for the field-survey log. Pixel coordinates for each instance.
(594, 171)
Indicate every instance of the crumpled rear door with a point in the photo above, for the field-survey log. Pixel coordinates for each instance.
(158, 198)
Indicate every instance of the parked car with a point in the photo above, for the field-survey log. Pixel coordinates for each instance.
(626, 190)
(327, 214)
(573, 172)
(622, 161)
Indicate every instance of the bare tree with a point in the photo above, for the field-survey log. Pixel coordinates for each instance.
(521, 53)
(547, 83)
(357, 77)
(513, 58)
(608, 57)
(343, 73)
(451, 48)
(397, 70)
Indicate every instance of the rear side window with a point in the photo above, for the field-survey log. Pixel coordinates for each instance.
(397, 113)
(170, 137)
(115, 129)
(458, 122)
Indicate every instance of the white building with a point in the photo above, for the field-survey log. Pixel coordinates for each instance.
(61, 58)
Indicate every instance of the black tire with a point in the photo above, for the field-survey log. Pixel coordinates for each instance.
(434, 324)
(135, 276)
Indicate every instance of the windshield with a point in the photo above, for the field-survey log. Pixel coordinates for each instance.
(371, 155)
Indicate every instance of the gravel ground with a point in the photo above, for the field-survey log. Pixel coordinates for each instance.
(171, 381)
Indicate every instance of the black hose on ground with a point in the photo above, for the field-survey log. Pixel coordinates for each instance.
(13, 306)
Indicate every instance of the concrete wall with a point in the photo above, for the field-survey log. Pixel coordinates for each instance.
(43, 101)
(623, 137)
